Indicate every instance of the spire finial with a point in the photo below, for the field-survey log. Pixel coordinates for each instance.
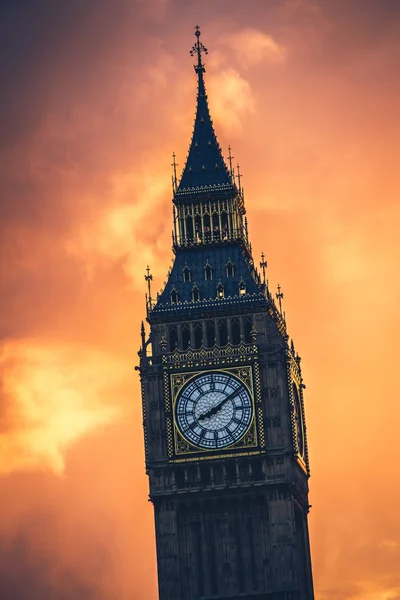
(198, 48)
(174, 178)
(143, 336)
(279, 296)
(263, 265)
(149, 278)
(239, 176)
(230, 157)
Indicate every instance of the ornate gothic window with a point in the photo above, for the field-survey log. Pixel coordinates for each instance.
(189, 228)
(224, 224)
(185, 337)
(207, 272)
(174, 296)
(248, 327)
(215, 225)
(195, 293)
(210, 333)
(197, 228)
(223, 333)
(198, 335)
(207, 227)
(173, 338)
(235, 331)
(230, 269)
(220, 290)
(187, 276)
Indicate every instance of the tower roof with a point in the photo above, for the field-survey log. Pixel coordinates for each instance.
(205, 169)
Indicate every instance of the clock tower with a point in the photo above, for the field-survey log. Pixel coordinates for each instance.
(222, 392)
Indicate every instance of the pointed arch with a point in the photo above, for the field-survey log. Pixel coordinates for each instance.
(242, 288)
(195, 293)
(220, 290)
(207, 272)
(187, 275)
(230, 268)
(174, 296)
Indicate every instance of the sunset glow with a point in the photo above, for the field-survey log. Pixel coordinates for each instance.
(99, 95)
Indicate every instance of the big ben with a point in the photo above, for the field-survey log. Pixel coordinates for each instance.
(222, 393)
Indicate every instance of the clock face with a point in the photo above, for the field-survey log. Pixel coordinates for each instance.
(298, 421)
(214, 410)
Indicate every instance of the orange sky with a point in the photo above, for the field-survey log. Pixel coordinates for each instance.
(98, 94)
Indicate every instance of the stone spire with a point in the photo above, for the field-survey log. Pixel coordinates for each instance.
(205, 169)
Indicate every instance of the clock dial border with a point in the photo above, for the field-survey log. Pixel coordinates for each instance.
(201, 422)
(180, 446)
(297, 421)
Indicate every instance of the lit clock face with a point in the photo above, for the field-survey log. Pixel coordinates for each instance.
(214, 410)
(298, 421)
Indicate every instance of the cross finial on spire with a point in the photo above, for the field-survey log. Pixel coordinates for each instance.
(198, 48)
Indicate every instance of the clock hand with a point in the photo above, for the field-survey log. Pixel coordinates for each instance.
(217, 407)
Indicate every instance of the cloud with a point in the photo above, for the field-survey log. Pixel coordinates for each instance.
(251, 47)
(52, 395)
(121, 230)
(232, 101)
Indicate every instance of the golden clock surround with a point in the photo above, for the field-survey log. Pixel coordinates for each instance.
(180, 449)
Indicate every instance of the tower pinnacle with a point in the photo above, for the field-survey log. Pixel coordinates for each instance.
(205, 169)
(198, 48)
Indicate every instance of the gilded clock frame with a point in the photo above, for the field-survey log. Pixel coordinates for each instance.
(294, 378)
(180, 449)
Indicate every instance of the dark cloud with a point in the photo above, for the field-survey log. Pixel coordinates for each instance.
(32, 567)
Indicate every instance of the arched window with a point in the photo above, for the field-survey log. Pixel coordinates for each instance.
(248, 326)
(174, 296)
(207, 272)
(223, 333)
(220, 290)
(187, 276)
(242, 288)
(185, 337)
(189, 228)
(210, 332)
(195, 293)
(198, 335)
(235, 330)
(207, 227)
(230, 269)
(224, 223)
(173, 338)
(215, 225)
(197, 228)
